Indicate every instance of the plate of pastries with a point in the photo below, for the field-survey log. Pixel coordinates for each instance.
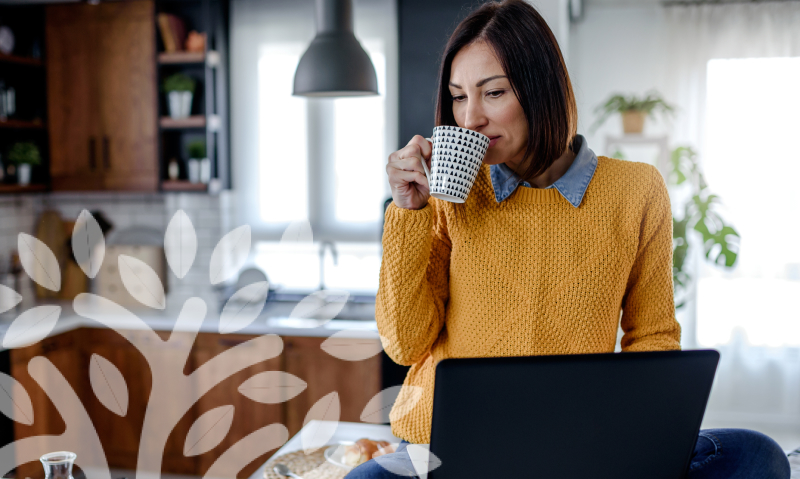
(348, 454)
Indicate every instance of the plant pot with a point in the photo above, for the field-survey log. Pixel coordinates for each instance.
(633, 121)
(180, 104)
(23, 174)
(193, 170)
(205, 170)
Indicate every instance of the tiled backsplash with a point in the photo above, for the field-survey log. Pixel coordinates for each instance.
(209, 215)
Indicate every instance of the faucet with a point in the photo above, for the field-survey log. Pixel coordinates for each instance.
(322, 248)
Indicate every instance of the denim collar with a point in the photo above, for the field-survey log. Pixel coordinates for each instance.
(572, 185)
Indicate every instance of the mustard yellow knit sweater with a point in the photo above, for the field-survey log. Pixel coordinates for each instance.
(532, 275)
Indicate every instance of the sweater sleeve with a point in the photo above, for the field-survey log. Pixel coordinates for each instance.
(414, 277)
(648, 307)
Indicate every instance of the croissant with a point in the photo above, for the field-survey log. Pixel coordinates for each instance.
(362, 451)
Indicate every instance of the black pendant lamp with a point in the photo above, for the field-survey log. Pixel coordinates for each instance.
(335, 64)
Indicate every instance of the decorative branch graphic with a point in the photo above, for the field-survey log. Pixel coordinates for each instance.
(80, 435)
(174, 392)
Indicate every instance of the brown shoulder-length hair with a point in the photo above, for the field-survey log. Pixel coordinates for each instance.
(532, 61)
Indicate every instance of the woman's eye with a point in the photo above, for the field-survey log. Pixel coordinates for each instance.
(458, 97)
(495, 93)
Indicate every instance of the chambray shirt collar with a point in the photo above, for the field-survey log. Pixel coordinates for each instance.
(572, 185)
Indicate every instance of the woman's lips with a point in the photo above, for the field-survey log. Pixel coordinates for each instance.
(492, 141)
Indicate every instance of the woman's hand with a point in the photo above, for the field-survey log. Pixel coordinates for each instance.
(410, 188)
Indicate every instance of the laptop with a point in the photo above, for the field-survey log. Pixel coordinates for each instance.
(630, 415)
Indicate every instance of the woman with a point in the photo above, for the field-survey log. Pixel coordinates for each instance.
(551, 243)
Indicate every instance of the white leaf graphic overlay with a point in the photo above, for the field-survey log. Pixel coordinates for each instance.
(31, 326)
(343, 345)
(180, 243)
(323, 305)
(402, 398)
(208, 431)
(272, 387)
(15, 401)
(88, 244)
(396, 467)
(325, 413)
(244, 307)
(39, 262)
(298, 232)
(230, 254)
(423, 460)
(141, 282)
(109, 385)
(8, 298)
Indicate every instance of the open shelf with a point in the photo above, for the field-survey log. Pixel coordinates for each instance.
(36, 62)
(21, 124)
(173, 58)
(194, 121)
(4, 188)
(182, 185)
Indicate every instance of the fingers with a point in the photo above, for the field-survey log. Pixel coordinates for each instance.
(418, 147)
(405, 177)
(407, 164)
(425, 147)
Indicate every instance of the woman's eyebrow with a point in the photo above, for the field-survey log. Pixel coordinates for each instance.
(482, 82)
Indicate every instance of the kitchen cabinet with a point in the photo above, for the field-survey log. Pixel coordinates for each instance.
(121, 436)
(248, 416)
(356, 381)
(102, 98)
(65, 353)
(71, 352)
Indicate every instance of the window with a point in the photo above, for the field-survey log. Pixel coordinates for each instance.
(751, 162)
(320, 159)
(360, 128)
(282, 137)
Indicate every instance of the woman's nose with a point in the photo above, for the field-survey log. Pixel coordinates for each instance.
(476, 117)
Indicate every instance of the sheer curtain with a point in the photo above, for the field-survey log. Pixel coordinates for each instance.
(735, 74)
(320, 160)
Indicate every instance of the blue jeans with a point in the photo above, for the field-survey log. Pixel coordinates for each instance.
(719, 453)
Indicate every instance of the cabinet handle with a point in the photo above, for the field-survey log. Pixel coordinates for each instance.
(106, 153)
(92, 157)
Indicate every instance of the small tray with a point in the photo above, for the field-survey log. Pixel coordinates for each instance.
(309, 466)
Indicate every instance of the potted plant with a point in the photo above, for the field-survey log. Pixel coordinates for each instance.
(199, 166)
(720, 240)
(24, 155)
(633, 109)
(179, 88)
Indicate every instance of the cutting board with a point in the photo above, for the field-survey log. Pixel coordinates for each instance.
(74, 281)
(109, 282)
(50, 231)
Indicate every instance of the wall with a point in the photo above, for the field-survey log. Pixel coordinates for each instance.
(616, 47)
(209, 215)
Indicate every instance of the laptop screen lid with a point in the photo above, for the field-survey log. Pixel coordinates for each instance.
(612, 415)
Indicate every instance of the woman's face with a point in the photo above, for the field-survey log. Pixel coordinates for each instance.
(483, 101)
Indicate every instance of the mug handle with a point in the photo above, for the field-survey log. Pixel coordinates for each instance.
(424, 165)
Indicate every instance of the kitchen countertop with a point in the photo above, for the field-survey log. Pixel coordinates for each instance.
(344, 431)
(274, 319)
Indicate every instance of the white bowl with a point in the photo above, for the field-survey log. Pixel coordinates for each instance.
(335, 453)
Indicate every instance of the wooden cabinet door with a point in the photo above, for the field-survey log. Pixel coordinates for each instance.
(127, 95)
(72, 97)
(64, 352)
(248, 415)
(356, 381)
(119, 435)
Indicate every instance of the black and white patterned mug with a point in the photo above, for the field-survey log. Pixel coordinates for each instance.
(456, 159)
